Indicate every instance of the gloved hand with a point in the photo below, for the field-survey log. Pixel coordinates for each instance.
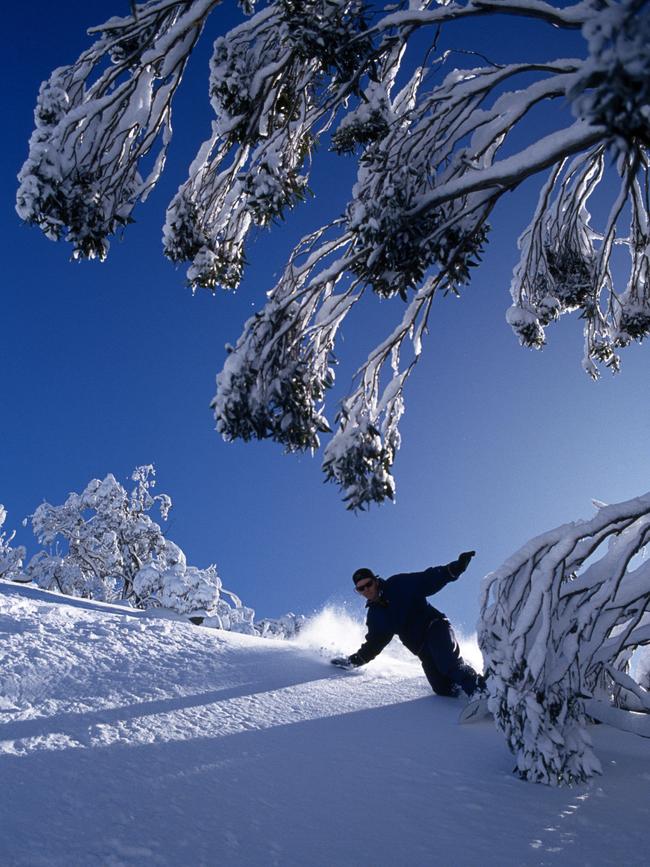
(458, 566)
(353, 661)
(342, 662)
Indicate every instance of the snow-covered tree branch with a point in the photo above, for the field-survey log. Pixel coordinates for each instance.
(560, 621)
(440, 139)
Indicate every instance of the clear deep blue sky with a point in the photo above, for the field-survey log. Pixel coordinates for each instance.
(107, 366)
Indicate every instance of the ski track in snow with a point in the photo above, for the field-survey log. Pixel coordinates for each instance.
(131, 740)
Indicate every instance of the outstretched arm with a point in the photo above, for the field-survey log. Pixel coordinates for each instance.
(435, 578)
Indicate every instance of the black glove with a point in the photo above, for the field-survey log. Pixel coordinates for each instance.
(353, 661)
(457, 568)
(342, 662)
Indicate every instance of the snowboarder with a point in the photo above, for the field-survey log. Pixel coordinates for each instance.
(398, 606)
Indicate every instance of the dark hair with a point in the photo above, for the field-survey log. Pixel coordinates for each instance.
(363, 575)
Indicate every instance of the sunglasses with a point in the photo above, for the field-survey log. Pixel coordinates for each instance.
(361, 588)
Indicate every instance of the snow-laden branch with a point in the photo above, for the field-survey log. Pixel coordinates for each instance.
(438, 147)
(571, 17)
(510, 172)
(273, 99)
(96, 122)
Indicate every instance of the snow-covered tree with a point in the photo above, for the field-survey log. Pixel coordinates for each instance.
(107, 535)
(11, 559)
(103, 544)
(440, 140)
(560, 621)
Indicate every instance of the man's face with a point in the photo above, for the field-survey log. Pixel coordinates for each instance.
(368, 588)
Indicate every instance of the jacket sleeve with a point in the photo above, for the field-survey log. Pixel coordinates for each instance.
(376, 640)
(432, 579)
(371, 647)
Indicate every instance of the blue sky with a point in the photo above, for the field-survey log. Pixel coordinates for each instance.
(107, 366)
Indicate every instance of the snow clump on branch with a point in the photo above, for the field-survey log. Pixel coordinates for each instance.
(360, 455)
(613, 87)
(272, 385)
(81, 180)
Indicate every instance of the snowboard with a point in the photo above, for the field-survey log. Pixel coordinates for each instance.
(475, 710)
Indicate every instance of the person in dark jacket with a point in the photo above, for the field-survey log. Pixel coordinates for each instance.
(398, 606)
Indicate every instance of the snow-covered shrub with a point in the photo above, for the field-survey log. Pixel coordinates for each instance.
(11, 559)
(168, 582)
(230, 614)
(559, 622)
(104, 545)
(287, 626)
(53, 571)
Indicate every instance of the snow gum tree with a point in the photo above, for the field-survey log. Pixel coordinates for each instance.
(560, 621)
(439, 140)
(103, 544)
(107, 537)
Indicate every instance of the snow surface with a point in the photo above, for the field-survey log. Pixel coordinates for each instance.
(130, 739)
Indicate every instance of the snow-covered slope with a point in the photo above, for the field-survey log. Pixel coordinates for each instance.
(131, 740)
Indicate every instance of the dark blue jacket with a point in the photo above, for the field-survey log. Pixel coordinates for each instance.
(402, 609)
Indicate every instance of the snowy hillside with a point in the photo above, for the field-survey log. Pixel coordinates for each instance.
(131, 740)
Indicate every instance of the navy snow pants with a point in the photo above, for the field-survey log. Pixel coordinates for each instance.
(443, 665)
